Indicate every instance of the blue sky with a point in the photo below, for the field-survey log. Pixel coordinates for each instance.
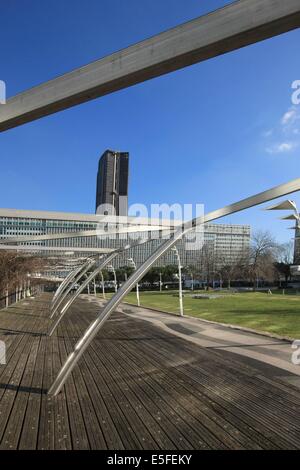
(212, 133)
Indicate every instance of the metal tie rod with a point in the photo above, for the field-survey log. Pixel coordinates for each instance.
(76, 271)
(93, 329)
(55, 304)
(89, 279)
(64, 294)
(68, 288)
(70, 277)
(75, 275)
(66, 281)
(66, 307)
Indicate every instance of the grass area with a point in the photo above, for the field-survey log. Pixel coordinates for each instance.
(278, 314)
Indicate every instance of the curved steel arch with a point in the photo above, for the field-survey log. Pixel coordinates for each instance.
(69, 279)
(70, 276)
(90, 278)
(59, 300)
(66, 281)
(80, 289)
(55, 304)
(95, 326)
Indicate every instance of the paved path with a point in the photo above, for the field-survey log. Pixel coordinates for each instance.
(248, 345)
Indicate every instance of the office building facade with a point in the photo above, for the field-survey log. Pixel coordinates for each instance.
(228, 241)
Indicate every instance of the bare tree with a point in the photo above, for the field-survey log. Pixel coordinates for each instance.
(237, 269)
(263, 253)
(14, 269)
(208, 262)
(284, 260)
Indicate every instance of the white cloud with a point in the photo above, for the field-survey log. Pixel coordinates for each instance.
(282, 147)
(289, 117)
(284, 138)
(268, 133)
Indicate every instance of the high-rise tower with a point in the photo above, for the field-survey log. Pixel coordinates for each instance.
(112, 183)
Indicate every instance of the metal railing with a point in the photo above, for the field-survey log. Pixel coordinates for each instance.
(18, 294)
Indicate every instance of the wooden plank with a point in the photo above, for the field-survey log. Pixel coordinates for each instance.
(198, 415)
(13, 430)
(29, 435)
(196, 407)
(121, 410)
(90, 426)
(137, 387)
(248, 407)
(78, 433)
(29, 432)
(129, 366)
(110, 432)
(61, 419)
(47, 422)
(183, 383)
(13, 373)
(174, 420)
(182, 343)
(157, 347)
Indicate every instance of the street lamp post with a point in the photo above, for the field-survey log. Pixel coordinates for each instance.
(180, 278)
(103, 286)
(132, 263)
(112, 270)
(192, 279)
(160, 282)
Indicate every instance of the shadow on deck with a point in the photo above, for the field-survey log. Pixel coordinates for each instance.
(136, 387)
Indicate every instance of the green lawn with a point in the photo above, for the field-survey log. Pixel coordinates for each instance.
(278, 314)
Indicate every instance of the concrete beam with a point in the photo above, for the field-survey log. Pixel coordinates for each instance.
(55, 248)
(237, 25)
(107, 220)
(89, 233)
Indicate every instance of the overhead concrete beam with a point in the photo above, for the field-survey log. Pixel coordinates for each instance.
(55, 248)
(107, 220)
(89, 233)
(237, 25)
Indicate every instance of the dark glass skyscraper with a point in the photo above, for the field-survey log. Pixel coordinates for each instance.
(112, 183)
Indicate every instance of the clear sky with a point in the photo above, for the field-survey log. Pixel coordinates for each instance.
(211, 133)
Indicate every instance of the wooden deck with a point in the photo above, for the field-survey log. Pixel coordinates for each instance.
(137, 387)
